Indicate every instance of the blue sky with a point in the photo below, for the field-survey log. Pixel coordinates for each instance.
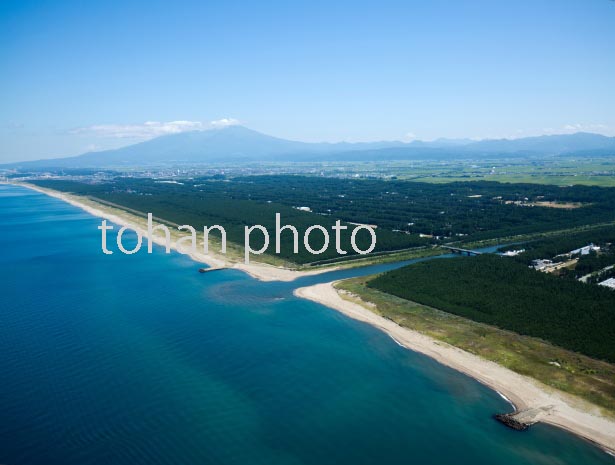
(77, 76)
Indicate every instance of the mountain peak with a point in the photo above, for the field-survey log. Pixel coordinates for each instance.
(238, 143)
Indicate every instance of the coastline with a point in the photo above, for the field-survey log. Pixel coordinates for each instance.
(554, 407)
(257, 270)
(558, 409)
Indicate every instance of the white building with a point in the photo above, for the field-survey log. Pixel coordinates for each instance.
(610, 283)
(513, 253)
(541, 264)
(585, 250)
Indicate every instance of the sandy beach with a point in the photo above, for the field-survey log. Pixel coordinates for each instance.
(260, 271)
(551, 406)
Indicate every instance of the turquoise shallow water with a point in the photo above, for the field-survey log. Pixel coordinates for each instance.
(140, 359)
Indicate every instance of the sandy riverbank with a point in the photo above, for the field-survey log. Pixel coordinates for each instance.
(260, 271)
(553, 407)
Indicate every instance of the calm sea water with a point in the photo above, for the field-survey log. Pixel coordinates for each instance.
(142, 360)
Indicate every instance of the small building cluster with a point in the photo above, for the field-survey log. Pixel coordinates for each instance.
(541, 264)
(548, 266)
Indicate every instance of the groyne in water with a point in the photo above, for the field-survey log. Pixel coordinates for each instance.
(209, 270)
(523, 419)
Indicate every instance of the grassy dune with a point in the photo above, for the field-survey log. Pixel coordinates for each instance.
(562, 369)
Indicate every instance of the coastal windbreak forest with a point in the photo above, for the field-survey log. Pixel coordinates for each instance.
(178, 204)
(407, 214)
(502, 292)
(477, 209)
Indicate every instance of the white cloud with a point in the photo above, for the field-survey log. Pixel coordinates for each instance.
(409, 137)
(224, 122)
(93, 148)
(578, 127)
(151, 129)
(566, 129)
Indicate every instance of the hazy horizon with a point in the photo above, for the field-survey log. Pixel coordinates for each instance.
(457, 142)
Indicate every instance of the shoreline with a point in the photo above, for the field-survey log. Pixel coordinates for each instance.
(556, 408)
(560, 409)
(257, 270)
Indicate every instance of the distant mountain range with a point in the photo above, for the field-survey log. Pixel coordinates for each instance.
(240, 144)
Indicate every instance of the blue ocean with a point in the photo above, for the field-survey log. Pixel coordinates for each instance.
(142, 360)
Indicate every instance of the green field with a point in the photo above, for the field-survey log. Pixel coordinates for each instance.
(557, 180)
(554, 171)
